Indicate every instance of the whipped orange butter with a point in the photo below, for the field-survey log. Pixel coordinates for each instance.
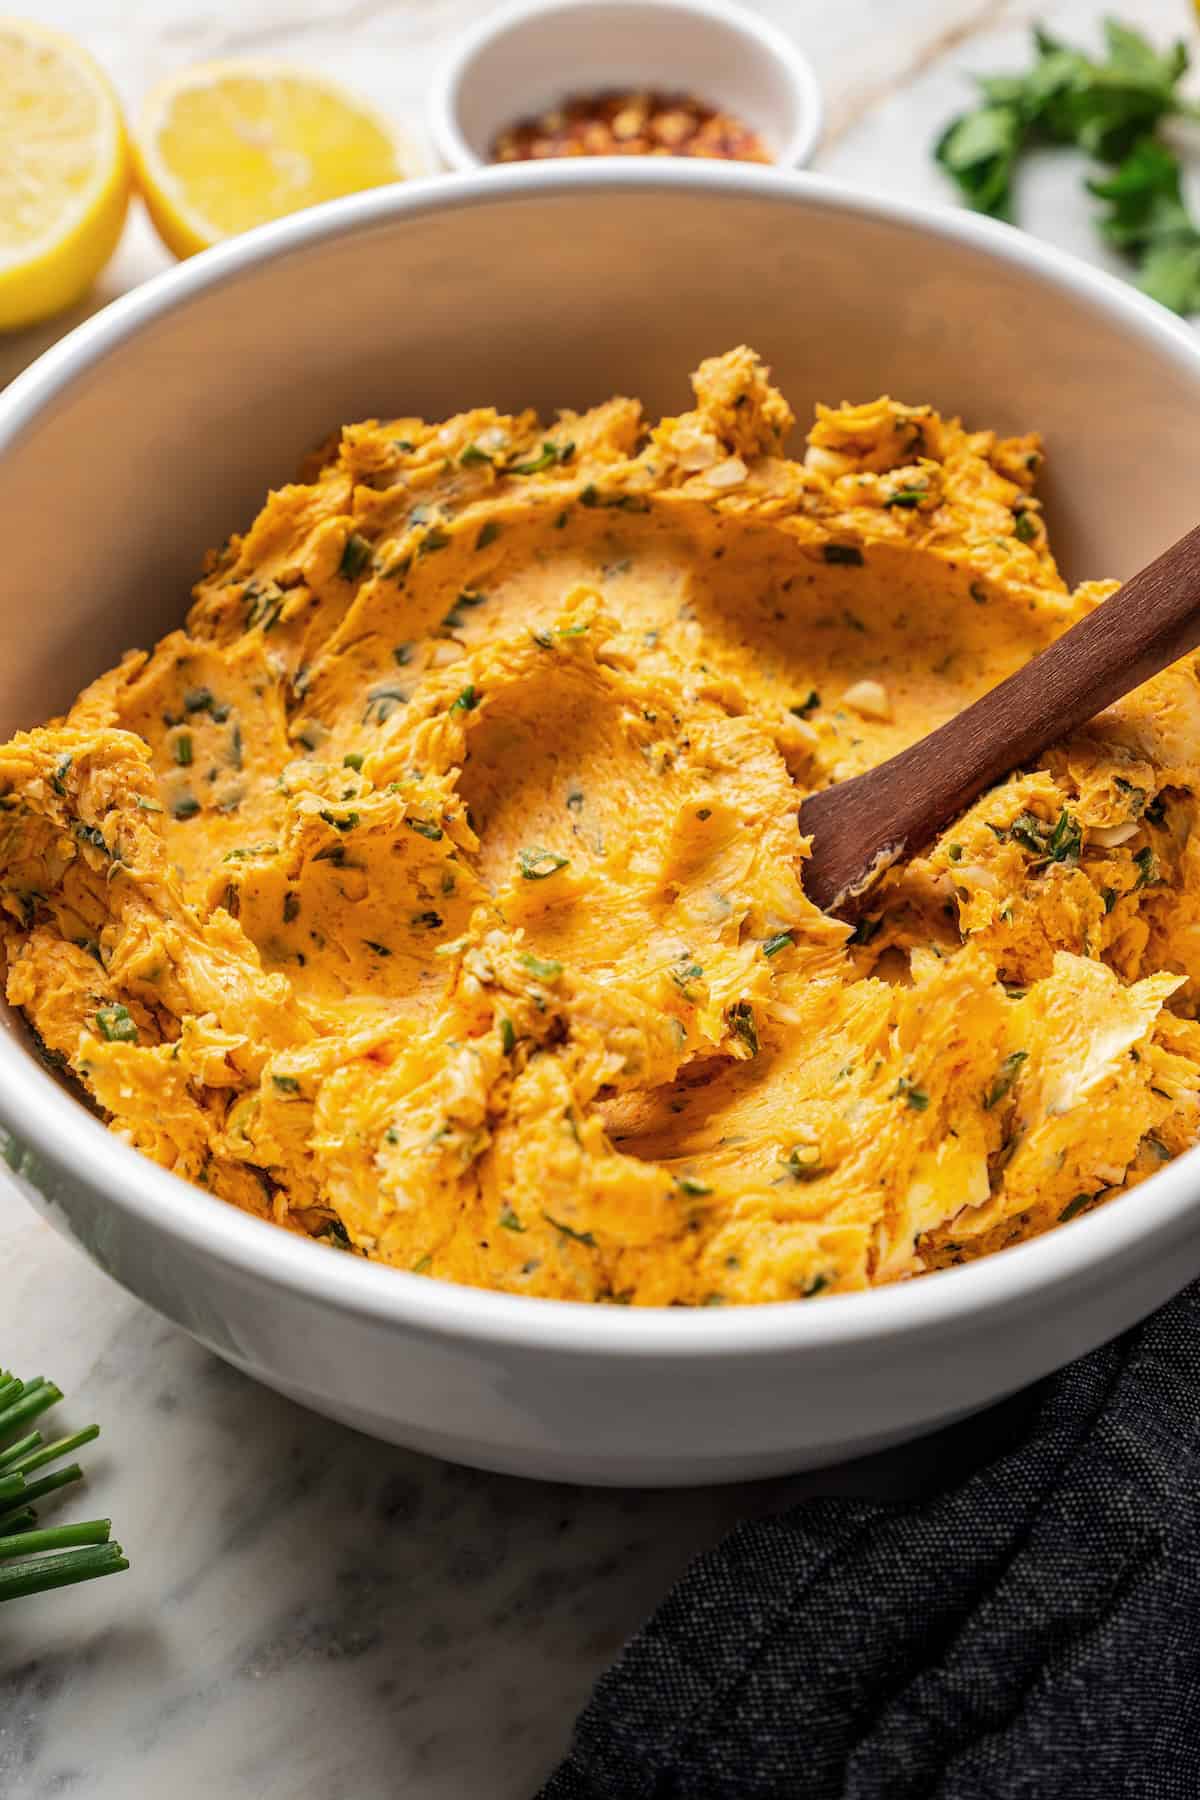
(437, 890)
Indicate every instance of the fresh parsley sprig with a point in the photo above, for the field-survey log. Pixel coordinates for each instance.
(1110, 108)
(33, 1560)
(1148, 219)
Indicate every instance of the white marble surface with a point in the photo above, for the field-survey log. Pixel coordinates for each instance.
(311, 1616)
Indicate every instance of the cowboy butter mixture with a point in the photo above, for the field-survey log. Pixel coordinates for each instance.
(438, 889)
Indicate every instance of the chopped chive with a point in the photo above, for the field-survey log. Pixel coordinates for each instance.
(34, 1397)
(804, 1162)
(684, 973)
(773, 945)
(907, 1090)
(537, 864)
(1074, 1207)
(353, 759)
(183, 749)
(355, 557)
(865, 929)
(508, 1036)
(568, 1231)
(546, 455)
(245, 851)
(55, 1537)
(382, 701)
(71, 1566)
(49, 1484)
(1066, 840)
(33, 1558)
(1010, 1068)
(741, 1021)
(546, 969)
(425, 828)
(115, 1025)
(285, 1084)
(488, 534)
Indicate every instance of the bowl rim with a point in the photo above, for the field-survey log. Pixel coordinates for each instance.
(444, 99)
(43, 1117)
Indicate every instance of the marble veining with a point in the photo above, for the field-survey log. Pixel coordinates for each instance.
(310, 1615)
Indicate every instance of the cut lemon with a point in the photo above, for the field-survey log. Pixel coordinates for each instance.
(229, 145)
(64, 172)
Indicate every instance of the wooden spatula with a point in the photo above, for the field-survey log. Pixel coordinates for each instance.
(861, 827)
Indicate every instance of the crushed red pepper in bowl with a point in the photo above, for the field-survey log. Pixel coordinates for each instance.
(630, 123)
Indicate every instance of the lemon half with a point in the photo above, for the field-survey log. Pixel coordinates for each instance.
(228, 145)
(64, 172)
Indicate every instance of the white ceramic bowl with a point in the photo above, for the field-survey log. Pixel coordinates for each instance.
(528, 57)
(141, 438)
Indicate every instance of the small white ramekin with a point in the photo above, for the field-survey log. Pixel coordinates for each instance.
(525, 58)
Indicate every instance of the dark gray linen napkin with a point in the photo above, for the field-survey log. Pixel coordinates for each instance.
(1031, 1634)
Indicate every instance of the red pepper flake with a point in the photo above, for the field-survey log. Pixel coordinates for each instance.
(642, 123)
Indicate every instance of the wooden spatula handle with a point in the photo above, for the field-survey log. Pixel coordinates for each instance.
(861, 826)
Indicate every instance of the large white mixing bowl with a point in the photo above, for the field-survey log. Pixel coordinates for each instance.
(158, 425)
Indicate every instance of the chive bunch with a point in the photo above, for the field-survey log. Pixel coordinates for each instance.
(32, 1560)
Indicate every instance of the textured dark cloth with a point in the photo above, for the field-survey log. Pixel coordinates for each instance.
(1032, 1633)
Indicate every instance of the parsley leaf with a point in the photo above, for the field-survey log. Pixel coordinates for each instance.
(1148, 219)
(1109, 107)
